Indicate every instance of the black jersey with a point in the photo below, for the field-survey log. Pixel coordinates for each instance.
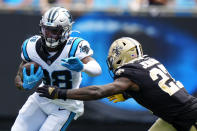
(160, 93)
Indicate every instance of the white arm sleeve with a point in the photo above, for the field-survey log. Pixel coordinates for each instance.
(92, 68)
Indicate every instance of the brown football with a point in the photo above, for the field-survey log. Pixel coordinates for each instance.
(28, 67)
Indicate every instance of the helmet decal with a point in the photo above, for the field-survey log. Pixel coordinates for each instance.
(116, 50)
(67, 13)
(50, 15)
(53, 15)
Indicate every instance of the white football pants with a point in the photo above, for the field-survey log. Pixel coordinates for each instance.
(39, 114)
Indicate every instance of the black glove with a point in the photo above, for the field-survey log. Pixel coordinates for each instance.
(52, 92)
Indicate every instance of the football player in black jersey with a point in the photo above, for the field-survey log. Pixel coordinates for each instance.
(144, 79)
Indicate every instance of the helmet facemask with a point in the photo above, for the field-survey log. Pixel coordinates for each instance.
(52, 35)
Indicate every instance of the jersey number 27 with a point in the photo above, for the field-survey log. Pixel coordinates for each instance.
(166, 82)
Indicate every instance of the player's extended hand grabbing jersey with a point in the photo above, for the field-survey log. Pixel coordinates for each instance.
(160, 93)
(54, 72)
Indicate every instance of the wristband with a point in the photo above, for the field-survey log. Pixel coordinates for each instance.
(126, 95)
(62, 94)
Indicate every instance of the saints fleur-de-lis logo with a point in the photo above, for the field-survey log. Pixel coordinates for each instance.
(116, 50)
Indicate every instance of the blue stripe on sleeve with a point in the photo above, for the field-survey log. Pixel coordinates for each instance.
(25, 50)
(74, 47)
(70, 118)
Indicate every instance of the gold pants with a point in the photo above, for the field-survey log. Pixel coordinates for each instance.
(161, 125)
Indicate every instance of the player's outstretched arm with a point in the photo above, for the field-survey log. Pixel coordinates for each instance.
(97, 92)
(87, 93)
(18, 78)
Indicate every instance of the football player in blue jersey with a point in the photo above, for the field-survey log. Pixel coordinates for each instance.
(62, 59)
(144, 79)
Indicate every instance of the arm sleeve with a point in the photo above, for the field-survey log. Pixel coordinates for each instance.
(92, 68)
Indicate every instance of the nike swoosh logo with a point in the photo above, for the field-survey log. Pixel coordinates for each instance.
(60, 109)
(31, 82)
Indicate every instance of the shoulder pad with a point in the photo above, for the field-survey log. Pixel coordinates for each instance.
(134, 72)
(31, 40)
(34, 38)
(75, 44)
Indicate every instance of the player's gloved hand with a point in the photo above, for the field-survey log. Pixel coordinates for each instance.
(30, 81)
(116, 98)
(73, 63)
(52, 92)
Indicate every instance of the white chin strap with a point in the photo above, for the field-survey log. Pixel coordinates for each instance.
(52, 45)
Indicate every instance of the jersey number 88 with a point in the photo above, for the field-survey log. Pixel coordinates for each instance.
(62, 79)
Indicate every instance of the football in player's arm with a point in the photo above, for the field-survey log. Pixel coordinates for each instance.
(144, 79)
(62, 58)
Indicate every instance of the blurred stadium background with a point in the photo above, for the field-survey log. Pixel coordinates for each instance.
(166, 28)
